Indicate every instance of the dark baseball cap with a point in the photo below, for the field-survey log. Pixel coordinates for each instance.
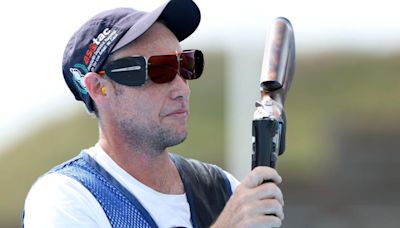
(111, 30)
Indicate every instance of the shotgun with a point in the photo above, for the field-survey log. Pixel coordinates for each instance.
(269, 121)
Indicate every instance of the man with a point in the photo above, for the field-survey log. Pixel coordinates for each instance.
(128, 68)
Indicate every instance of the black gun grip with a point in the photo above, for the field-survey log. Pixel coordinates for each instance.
(264, 148)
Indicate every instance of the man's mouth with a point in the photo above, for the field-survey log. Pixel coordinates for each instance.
(178, 113)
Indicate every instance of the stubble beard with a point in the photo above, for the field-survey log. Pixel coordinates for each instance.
(151, 139)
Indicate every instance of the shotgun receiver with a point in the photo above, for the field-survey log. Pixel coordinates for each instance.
(269, 122)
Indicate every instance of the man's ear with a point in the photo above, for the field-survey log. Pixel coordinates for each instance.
(96, 86)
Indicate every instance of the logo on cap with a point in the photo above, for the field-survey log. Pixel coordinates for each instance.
(98, 46)
(77, 77)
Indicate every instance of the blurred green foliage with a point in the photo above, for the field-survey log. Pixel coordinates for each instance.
(23, 163)
(328, 90)
(332, 90)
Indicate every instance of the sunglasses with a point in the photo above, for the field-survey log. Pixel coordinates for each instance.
(135, 70)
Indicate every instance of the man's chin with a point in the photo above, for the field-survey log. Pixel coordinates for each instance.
(180, 138)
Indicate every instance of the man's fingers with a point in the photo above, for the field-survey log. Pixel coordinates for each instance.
(258, 201)
(266, 207)
(269, 190)
(261, 174)
(270, 207)
(261, 221)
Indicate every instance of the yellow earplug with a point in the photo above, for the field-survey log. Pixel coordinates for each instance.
(103, 90)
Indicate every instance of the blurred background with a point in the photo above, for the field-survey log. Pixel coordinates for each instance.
(341, 165)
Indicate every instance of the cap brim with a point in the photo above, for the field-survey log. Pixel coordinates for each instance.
(182, 17)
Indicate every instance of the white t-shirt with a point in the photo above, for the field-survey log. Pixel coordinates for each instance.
(56, 200)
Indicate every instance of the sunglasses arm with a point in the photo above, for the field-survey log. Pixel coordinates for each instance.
(269, 122)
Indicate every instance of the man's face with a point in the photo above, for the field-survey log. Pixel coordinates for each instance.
(153, 116)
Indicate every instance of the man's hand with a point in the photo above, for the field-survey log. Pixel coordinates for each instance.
(255, 203)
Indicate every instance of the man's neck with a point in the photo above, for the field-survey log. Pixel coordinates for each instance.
(155, 170)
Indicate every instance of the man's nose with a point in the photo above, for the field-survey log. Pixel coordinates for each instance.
(180, 88)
